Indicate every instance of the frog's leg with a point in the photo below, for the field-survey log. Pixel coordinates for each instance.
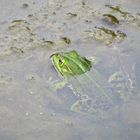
(98, 78)
(77, 88)
(83, 105)
(55, 85)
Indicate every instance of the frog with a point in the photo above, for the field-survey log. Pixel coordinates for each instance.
(75, 69)
(70, 63)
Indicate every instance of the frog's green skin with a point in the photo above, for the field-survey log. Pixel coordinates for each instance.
(70, 63)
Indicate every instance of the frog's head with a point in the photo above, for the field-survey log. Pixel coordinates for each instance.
(70, 63)
(59, 62)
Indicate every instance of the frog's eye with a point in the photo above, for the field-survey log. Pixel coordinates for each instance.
(61, 62)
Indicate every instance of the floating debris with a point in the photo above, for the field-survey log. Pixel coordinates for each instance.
(72, 14)
(17, 50)
(108, 36)
(66, 40)
(62, 43)
(20, 25)
(123, 15)
(121, 34)
(48, 43)
(25, 5)
(18, 22)
(111, 19)
(56, 44)
(115, 9)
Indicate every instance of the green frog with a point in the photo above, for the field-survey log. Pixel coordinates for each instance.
(70, 63)
(75, 69)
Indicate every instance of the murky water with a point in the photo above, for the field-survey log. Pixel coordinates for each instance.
(30, 31)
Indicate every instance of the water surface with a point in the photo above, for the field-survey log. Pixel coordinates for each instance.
(29, 108)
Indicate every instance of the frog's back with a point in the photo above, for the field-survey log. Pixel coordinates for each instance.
(77, 64)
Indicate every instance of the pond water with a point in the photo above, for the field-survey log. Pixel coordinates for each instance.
(31, 31)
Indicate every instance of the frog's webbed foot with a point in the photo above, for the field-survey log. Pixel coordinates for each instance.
(84, 105)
